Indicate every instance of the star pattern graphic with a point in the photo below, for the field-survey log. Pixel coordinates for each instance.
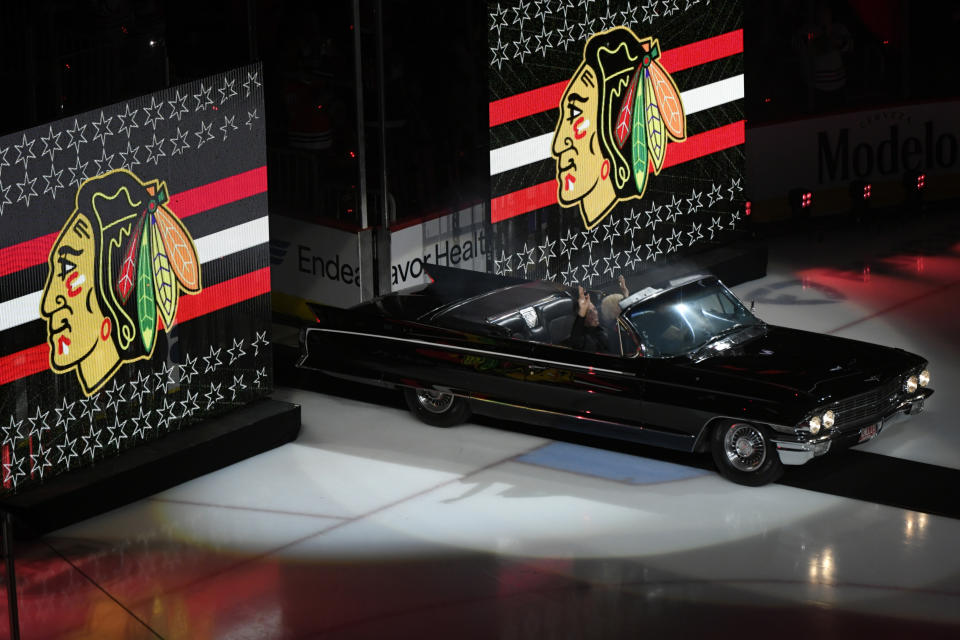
(13, 470)
(128, 158)
(212, 360)
(53, 181)
(91, 442)
(179, 142)
(128, 120)
(252, 81)
(673, 209)
(64, 414)
(190, 405)
(612, 264)
(653, 248)
(735, 188)
(228, 125)
(155, 151)
(178, 106)
(715, 226)
(102, 129)
(153, 115)
(236, 386)
(260, 340)
(211, 400)
(76, 136)
(694, 233)
(105, 163)
(4, 197)
(67, 450)
(204, 135)
(11, 432)
(568, 244)
(674, 241)
(114, 396)
(141, 424)
(590, 270)
(236, 351)
(24, 151)
(650, 11)
(78, 172)
(589, 240)
(611, 230)
(40, 461)
(166, 377)
(546, 250)
(714, 195)
(203, 98)
(28, 183)
(116, 432)
(38, 424)
(693, 202)
(227, 91)
(51, 143)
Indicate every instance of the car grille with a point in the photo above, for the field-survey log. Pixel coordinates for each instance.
(867, 405)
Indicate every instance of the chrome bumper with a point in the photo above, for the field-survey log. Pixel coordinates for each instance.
(796, 452)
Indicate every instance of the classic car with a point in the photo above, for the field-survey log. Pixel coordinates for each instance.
(691, 368)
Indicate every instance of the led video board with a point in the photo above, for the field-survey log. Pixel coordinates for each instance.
(616, 134)
(134, 274)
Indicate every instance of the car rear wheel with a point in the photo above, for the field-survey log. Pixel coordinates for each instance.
(744, 454)
(436, 408)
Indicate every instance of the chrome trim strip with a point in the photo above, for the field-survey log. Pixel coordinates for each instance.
(471, 350)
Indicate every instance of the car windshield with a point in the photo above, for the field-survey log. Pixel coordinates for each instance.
(695, 316)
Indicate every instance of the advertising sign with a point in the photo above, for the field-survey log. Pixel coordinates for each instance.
(134, 280)
(616, 134)
(312, 262)
(456, 240)
(884, 147)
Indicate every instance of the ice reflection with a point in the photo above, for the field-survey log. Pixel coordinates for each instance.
(822, 568)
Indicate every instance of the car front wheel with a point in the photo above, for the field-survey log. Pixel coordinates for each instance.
(436, 408)
(744, 454)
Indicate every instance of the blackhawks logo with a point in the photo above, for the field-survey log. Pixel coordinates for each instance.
(617, 114)
(115, 273)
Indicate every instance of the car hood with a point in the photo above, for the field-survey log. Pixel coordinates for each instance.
(821, 366)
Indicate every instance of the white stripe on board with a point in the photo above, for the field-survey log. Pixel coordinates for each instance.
(209, 248)
(518, 154)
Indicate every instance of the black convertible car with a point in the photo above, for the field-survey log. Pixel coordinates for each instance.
(689, 368)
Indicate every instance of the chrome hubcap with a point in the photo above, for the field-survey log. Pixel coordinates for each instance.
(745, 447)
(434, 401)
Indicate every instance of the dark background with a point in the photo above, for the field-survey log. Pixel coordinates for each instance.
(60, 57)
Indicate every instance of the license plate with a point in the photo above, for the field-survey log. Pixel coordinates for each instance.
(867, 433)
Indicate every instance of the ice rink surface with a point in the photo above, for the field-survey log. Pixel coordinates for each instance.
(373, 525)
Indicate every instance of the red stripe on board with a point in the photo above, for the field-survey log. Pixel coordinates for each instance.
(519, 202)
(186, 203)
(545, 98)
(702, 52)
(225, 294)
(24, 363)
(544, 194)
(219, 296)
(218, 193)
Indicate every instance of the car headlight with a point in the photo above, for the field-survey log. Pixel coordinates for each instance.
(924, 378)
(910, 384)
(828, 419)
(814, 425)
